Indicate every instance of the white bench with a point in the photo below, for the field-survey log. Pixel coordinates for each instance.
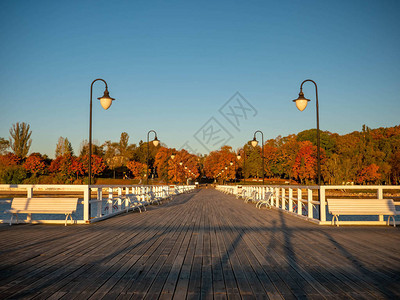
(31, 206)
(364, 207)
(251, 197)
(265, 201)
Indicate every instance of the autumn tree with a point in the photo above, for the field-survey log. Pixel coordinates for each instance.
(305, 164)
(66, 168)
(138, 170)
(183, 166)
(35, 164)
(369, 174)
(220, 163)
(161, 162)
(20, 140)
(98, 164)
(8, 160)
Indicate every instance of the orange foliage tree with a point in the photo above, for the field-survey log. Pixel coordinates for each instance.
(304, 167)
(368, 174)
(137, 169)
(183, 166)
(161, 162)
(8, 160)
(221, 164)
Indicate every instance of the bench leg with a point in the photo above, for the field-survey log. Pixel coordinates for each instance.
(394, 222)
(337, 220)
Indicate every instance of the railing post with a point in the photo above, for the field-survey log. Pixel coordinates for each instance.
(99, 201)
(290, 200)
(86, 213)
(283, 199)
(119, 198)
(277, 197)
(380, 196)
(309, 204)
(110, 204)
(299, 203)
(322, 204)
(29, 192)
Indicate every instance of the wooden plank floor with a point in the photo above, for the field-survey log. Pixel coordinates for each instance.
(203, 245)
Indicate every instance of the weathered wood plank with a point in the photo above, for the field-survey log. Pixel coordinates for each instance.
(201, 245)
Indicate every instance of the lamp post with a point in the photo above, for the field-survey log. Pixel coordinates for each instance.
(254, 143)
(156, 142)
(173, 158)
(238, 157)
(105, 102)
(180, 164)
(301, 104)
(244, 164)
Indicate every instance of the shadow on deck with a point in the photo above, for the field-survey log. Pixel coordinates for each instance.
(200, 245)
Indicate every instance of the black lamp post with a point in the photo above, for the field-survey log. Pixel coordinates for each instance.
(156, 142)
(172, 156)
(238, 157)
(301, 104)
(244, 164)
(254, 143)
(105, 102)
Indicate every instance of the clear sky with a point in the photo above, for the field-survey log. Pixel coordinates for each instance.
(173, 66)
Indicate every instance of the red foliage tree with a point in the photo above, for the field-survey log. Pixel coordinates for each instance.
(98, 164)
(67, 166)
(35, 164)
(304, 167)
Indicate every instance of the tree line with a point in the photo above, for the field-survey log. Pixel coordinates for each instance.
(369, 156)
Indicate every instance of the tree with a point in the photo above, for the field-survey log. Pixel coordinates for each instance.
(98, 164)
(96, 149)
(137, 169)
(35, 164)
(66, 168)
(20, 140)
(63, 147)
(117, 155)
(4, 145)
(305, 162)
(218, 164)
(8, 160)
(369, 174)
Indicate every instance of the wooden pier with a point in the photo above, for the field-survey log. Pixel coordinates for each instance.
(202, 245)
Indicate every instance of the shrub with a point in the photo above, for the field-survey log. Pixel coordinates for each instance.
(13, 175)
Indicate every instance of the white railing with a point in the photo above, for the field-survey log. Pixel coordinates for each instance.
(303, 200)
(110, 200)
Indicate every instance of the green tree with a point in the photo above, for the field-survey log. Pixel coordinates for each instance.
(64, 147)
(4, 145)
(20, 140)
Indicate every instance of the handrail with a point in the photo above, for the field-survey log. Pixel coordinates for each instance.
(141, 192)
(290, 198)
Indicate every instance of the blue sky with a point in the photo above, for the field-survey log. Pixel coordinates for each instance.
(171, 65)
